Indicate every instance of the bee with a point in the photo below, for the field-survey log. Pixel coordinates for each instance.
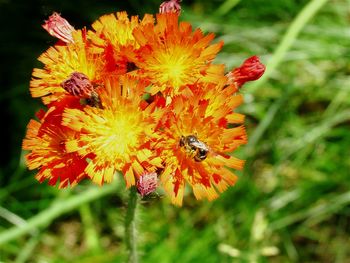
(199, 150)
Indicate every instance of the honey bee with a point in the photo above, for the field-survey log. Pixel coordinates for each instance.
(199, 150)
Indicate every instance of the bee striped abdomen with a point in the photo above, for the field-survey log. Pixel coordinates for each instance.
(194, 147)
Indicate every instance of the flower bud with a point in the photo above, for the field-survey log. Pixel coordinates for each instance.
(59, 27)
(251, 69)
(147, 183)
(170, 6)
(79, 85)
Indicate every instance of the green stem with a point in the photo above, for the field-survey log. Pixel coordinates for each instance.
(288, 39)
(226, 7)
(27, 250)
(55, 210)
(130, 226)
(91, 234)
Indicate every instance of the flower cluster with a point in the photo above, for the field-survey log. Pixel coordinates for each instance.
(139, 96)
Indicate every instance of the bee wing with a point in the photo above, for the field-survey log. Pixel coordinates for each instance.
(200, 145)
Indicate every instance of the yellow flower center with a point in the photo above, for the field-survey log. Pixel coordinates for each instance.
(119, 135)
(173, 66)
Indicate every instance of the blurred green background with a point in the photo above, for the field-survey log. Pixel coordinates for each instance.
(291, 202)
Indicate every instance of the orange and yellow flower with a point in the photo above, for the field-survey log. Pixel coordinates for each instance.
(114, 40)
(206, 118)
(117, 29)
(118, 133)
(142, 97)
(46, 140)
(173, 56)
(60, 62)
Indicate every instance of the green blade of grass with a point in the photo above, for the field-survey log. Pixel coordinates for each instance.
(288, 39)
(57, 209)
(265, 123)
(226, 7)
(91, 234)
(315, 213)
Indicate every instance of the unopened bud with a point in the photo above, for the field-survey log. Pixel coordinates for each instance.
(147, 183)
(170, 6)
(59, 27)
(251, 69)
(79, 85)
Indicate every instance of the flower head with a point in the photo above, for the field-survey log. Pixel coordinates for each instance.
(173, 56)
(196, 142)
(46, 140)
(113, 39)
(60, 62)
(118, 133)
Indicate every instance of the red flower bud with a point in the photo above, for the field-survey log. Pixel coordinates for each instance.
(170, 6)
(79, 85)
(59, 27)
(147, 183)
(251, 69)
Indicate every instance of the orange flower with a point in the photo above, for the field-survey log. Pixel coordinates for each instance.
(114, 40)
(118, 134)
(46, 142)
(173, 56)
(196, 141)
(59, 63)
(117, 29)
(140, 97)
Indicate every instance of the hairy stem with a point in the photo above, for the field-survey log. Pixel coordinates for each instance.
(130, 226)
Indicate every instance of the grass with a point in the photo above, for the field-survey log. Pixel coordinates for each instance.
(292, 201)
